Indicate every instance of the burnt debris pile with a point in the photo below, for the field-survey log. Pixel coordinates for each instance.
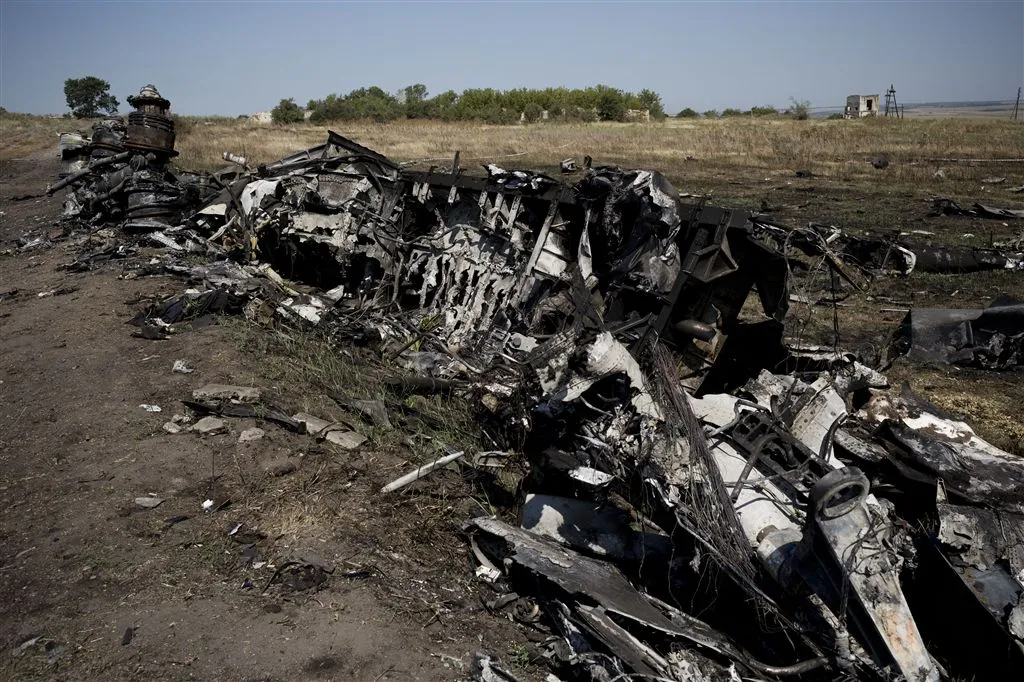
(121, 173)
(703, 502)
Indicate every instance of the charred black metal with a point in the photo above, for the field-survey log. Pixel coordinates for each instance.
(992, 338)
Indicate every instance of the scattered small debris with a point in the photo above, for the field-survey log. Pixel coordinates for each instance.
(57, 292)
(332, 432)
(181, 368)
(372, 410)
(419, 473)
(251, 434)
(244, 394)
(299, 577)
(208, 426)
(487, 669)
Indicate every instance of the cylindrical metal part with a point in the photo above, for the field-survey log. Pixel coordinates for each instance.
(698, 330)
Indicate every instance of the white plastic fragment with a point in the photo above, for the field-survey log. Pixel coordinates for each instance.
(405, 480)
(207, 505)
(487, 573)
(150, 408)
(590, 476)
(181, 368)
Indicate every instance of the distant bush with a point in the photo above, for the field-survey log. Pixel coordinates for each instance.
(687, 113)
(767, 110)
(532, 112)
(287, 111)
(835, 117)
(799, 109)
(711, 113)
(727, 113)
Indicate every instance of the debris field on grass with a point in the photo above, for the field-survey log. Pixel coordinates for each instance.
(700, 499)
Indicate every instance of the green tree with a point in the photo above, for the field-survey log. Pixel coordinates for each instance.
(731, 112)
(690, 113)
(766, 110)
(287, 111)
(416, 104)
(611, 104)
(89, 97)
(532, 112)
(651, 101)
(711, 113)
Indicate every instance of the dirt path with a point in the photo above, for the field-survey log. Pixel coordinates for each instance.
(93, 586)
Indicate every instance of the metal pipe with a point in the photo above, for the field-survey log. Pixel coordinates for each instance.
(99, 163)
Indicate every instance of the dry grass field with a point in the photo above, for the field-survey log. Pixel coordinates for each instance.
(741, 163)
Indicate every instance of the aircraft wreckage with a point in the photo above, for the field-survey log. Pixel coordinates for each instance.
(786, 517)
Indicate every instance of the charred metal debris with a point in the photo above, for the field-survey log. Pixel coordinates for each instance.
(702, 502)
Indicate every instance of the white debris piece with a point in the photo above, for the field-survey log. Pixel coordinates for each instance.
(209, 425)
(244, 394)
(350, 440)
(181, 368)
(591, 476)
(332, 432)
(149, 501)
(249, 435)
(150, 408)
(487, 573)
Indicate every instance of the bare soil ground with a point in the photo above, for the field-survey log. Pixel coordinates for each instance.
(81, 565)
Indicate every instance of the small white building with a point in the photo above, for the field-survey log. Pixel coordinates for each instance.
(859, 106)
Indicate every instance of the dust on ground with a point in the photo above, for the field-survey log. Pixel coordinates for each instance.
(94, 586)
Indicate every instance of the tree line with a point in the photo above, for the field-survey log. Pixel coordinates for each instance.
(488, 105)
(798, 109)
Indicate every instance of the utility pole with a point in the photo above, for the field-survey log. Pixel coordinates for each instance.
(890, 103)
(1016, 107)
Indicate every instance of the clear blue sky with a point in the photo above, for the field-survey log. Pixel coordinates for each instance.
(241, 57)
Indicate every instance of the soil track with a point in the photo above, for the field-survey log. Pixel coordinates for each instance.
(93, 586)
